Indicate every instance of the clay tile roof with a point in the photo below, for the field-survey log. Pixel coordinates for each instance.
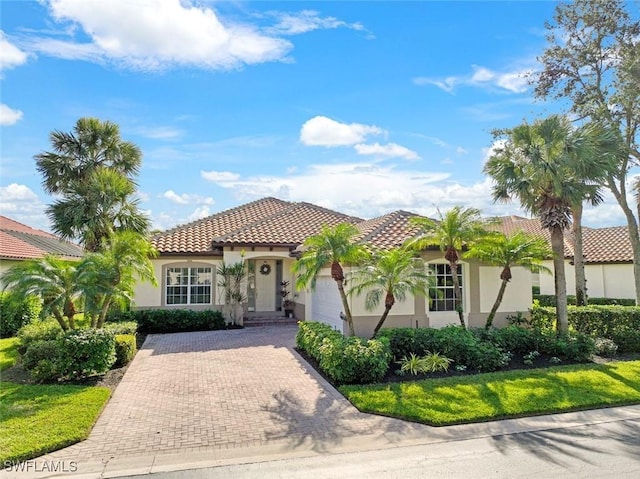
(388, 231)
(607, 245)
(512, 224)
(19, 241)
(268, 221)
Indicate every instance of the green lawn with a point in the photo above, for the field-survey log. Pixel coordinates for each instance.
(484, 397)
(36, 419)
(8, 352)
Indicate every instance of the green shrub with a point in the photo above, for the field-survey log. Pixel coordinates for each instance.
(605, 347)
(125, 349)
(550, 300)
(42, 360)
(124, 327)
(573, 346)
(171, 320)
(512, 338)
(345, 360)
(16, 311)
(87, 352)
(355, 360)
(310, 336)
(429, 363)
(45, 330)
(621, 324)
(543, 318)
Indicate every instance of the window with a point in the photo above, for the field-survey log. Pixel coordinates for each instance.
(188, 285)
(442, 293)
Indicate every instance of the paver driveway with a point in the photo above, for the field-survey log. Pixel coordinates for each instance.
(198, 391)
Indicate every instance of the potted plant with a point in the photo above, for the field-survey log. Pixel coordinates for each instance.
(288, 304)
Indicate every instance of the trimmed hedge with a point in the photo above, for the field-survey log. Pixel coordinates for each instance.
(125, 349)
(45, 330)
(86, 352)
(124, 327)
(621, 324)
(550, 300)
(171, 320)
(345, 360)
(16, 311)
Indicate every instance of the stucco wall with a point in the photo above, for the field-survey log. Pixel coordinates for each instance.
(6, 264)
(517, 296)
(603, 280)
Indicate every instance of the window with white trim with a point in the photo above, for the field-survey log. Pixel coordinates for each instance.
(188, 285)
(442, 293)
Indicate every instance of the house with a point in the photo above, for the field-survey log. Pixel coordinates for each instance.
(266, 233)
(608, 258)
(19, 242)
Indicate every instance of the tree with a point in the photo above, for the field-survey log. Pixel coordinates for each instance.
(334, 247)
(110, 275)
(593, 61)
(456, 228)
(92, 170)
(392, 274)
(537, 166)
(230, 279)
(51, 279)
(519, 249)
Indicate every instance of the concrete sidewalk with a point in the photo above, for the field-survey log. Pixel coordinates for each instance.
(202, 399)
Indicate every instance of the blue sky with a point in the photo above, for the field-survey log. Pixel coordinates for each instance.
(362, 107)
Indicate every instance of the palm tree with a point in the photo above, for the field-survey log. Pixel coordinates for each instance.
(92, 170)
(110, 276)
(392, 274)
(593, 160)
(53, 280)
(519, 249)
(537, 166)
(230, 279)
(457, 227)
(333, 246)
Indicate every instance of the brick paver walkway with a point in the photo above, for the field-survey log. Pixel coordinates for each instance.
(199, 391)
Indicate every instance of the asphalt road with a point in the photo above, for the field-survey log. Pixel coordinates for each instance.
(604, 450)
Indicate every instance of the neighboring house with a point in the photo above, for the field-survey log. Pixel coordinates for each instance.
(266, 234)
(607, 253)
(19, 242)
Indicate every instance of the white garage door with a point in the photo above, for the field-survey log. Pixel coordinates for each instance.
(326, 304)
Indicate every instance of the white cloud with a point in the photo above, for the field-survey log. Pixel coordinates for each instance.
(20, 203)
(390, 150)
(493, 149)
(512, 81)
(159, 132)
(159, 34)
(323, 131)
(9, 116)
(219, 176)
(187, 199)
(10, 55)
(461, 151)
(199, 213)
(306, 21)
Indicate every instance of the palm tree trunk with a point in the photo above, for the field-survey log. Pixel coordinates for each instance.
(382, 320)
(103, 312)
(557, 245)
(578, 256)
(60, 320)
(457, 291)
(345, 305)
(496, 305)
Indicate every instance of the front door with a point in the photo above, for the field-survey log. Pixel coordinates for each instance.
(265, 285)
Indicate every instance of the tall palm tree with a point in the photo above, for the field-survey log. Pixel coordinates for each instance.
(593, 160)
(537, 166)
(334, 247)
(519, 249)
(53, 280)
(110, 275)
(457, 227)
(92, 170)
(392, 274)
